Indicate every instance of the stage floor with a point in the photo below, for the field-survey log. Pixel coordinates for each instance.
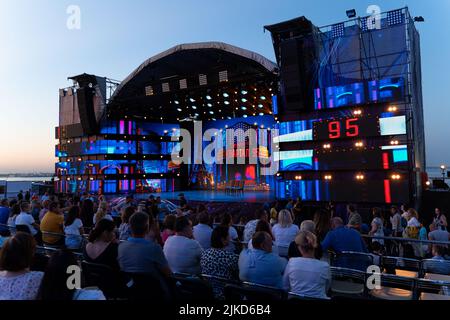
(220, 196)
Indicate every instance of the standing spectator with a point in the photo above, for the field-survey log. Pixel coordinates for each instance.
(377, 226)
(217, 261)
(15, 211)
(27, 196)
(73, 229)
(53, 222)
(396, 222)
(45, 197)
(102, 245)
(284, 231)
(438, 233)
(439, 219)
(227, 221)
(25, 219)
(354, 218)
(181, 250)
(87, 212)
(17, 282)
(124, 228)
(4, 215)
(342, 238)
(250, 227)
(20, 196)
(299, 214)
(54, 283)
(259, 264)
(169, 227)
(289, 204)
(306, 275)
(202, 231)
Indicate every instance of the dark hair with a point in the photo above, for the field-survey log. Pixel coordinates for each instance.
(264, 226)
(127, 213)
(139, 223)
(219, 233)
(4, 202)
(226, 219)
(376, 212)
(258, 239)
(203, 218)
(54, 283)
(24, 205)
(15, 210)
(181, 223)
(72, 215)
(101, 226)
(17, 252)
(322, 221)
(87, 212)
(260, 213)
(351, 208)
(169, 222)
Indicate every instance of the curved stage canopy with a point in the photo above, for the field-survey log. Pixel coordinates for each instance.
(190, 71)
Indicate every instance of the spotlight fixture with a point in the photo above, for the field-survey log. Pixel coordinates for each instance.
(359, 144)
(208, 97)
(351, 13)
(357, 112)
(428, 183)
(359, 177)
(298, 177)
(226, 95)
(394, 142)
(328, 177)
(395, 177)
(244, 92)
(392, 109)
(191, 100)
(244, 100)
(327, 146)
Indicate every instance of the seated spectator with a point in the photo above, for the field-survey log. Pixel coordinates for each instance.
(53, 222)
(102, 213)
(293, 252)
(263, 225)
(250, 227)
(24, 218)
(17, 282)
(154, 233)
(219, 262)
(169, 227)
(73, 229)
(322, 222)
(54, 283)
(284, 231)
(438, 233)
(342, 238)
(202, 231)
(306, 275)
(260, 265)
(44, 210)
(434, 266)
(15, 211)
(227, 221)
(4, 215)
(181, 250)
(139, 255)
(102, 245)
(124, 228)
(35, 209)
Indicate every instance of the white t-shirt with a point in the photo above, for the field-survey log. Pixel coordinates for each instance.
(284, 236)
(307, 277)
(202, 233)
(26, 219)
(183, 254)
(73, 237)
(413, 222)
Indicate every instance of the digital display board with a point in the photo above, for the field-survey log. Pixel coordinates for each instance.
(334, 129)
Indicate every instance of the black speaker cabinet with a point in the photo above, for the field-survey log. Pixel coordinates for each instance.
(85, 98)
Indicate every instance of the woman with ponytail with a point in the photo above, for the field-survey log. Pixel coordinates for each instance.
(306, 275)
(102, 247)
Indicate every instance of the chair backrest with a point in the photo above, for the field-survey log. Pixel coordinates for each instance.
(435, 266)
(352, 260)
(101, 276)
(147, 286)
(193, 289)
(40, 261)
(253, 292)
(433, 286)
(393, 281)
(392, 263)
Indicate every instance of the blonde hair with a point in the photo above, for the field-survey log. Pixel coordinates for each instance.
(101, 212)
(306, 240)
(308, 225)
(285, 218)
(413, 213)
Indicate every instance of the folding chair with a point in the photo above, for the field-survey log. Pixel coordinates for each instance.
(395, 288)
(253, 292)
(433, 289)
(348, 282)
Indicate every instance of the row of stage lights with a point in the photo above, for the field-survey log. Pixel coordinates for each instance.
(358, 144)
(358, 112)
(359, 176)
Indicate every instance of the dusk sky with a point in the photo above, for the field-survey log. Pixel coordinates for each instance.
(38, 52)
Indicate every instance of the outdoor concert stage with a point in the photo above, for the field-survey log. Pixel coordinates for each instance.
(221, 196)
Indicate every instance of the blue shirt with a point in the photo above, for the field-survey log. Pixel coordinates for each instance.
(344, 239)
(261, 267)
(4, 215)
